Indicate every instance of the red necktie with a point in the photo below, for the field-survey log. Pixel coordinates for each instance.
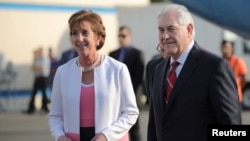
(171, 78)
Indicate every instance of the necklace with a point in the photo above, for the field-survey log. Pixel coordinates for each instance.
(89, 68)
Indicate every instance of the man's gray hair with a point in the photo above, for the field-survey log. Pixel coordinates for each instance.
(184, 16)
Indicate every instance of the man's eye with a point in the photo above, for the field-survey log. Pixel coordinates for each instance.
(161, 30)
(171, 29)
(73, 33)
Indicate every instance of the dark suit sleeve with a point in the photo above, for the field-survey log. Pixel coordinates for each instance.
(134, 59)
(63, 59)
(147, 78)
(149, 74)
(139, 71)
(151, 132)
(114, 54)
(224, 96)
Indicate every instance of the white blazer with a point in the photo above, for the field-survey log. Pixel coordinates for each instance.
(116, 110)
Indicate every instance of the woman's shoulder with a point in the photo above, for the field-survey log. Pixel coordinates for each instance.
(111, 63)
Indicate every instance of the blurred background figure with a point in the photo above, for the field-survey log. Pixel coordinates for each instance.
(41, 69)
(134, 59)
(238, 65)
(149, 72)
(7, 82)
(8, 75)
(53, 67)
(67, 55)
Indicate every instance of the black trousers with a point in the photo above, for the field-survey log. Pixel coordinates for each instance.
(40, 83)
(87, 133)
(134, 132)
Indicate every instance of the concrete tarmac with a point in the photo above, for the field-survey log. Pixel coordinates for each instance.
(16, 126)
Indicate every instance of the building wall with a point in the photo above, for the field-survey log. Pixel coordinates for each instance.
(28, 24)
(25, 27)
(101, 3)
(144, 25)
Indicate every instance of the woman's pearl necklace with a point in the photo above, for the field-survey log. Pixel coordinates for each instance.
(89, 68)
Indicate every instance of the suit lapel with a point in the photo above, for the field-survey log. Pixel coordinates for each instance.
(159, 84)
(186, 72)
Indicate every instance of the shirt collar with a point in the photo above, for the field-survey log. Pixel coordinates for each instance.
(182, 58)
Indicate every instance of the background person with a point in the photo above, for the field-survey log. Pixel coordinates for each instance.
(67, 55)
(41, 69)
(150, 70)
(92, 96)
(53, 67)
(133, 58)
(238, 65)
(205, 91)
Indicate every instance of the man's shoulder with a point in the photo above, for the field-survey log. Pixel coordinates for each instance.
(136, 49)
(67, 51)
(114, 51)
(238, 58)
(240, 61)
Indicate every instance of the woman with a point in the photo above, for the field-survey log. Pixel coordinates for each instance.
(92, 97)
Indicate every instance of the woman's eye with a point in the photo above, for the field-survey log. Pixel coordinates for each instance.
(85, 33)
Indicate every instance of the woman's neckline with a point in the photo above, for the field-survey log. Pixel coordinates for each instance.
(91, 67)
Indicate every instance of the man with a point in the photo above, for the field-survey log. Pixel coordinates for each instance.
(238, 65)
(67, 55)
(53, 68)
(133, 58)
(41, 69)
(205, 91)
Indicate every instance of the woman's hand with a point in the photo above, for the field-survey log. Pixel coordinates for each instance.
(64, 138)
(99, 137)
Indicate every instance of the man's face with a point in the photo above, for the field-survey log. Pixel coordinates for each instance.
(227, 50)
(124, 37)
(173, 37)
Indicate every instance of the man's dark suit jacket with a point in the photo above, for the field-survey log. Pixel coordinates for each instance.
(67, 55)
(204, 93)
(135, 62)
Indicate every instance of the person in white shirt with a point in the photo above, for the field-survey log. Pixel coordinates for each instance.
(41, 69)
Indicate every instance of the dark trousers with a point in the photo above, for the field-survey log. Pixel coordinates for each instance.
(134, 132)
(40, 83)
(87, 133)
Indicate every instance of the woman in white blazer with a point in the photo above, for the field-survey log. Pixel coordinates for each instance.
(92, 96)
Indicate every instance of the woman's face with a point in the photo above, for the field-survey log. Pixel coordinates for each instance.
(84, 39)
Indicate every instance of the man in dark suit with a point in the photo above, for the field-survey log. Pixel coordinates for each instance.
(67, 55)
(205, 92)
(134, 60)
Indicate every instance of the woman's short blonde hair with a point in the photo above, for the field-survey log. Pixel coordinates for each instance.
(94, 19)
